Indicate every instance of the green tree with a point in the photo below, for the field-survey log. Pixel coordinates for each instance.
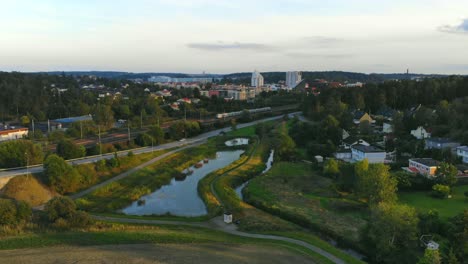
(18, 153)
(158, 134)
(62, 177)
(331, 167)
(447, 174)
(391, 236)
(25, 121)
(233, 124)
(375, 183)
(452, 258)
(440, 191)
(67, 149)
(144, 140)
(430, 257)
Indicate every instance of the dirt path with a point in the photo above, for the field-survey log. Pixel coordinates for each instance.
(159, 254)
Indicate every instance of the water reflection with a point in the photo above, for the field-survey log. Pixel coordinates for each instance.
(181, 197)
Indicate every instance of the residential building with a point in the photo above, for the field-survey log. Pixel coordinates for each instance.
(293, 79)
(343, 154)
(462, 152)
(387, 128)
(12, 133)
(257, 79)
(373, 154)
(420, 133)
(441, 143)
(427, 167)
(360, 117)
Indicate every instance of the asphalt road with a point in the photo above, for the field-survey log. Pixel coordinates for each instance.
(175, 144)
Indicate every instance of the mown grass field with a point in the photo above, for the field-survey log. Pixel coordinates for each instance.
(125, 234)
(423, 202)
(296, 192)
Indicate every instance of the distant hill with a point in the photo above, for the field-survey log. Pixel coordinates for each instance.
(131, 75)
(339, 76)
(244, 77)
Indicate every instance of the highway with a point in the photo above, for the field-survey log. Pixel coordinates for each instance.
(176, 144)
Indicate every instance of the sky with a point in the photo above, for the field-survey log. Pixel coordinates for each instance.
(226, 36)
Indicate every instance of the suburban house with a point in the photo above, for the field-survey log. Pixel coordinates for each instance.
(11, 133)
(387, 128)
(343, 154)
(441, 143)
(420, 133)
(360, 117)
(349, 142)
(427, 167)
(360, 152)
(462, 152)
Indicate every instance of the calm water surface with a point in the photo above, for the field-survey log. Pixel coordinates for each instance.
(181, 198)
(268, 164)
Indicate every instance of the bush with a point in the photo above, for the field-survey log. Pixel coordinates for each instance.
(62, 213)
(13, 214)
(440, 191)
(67, 149)
(60, 207)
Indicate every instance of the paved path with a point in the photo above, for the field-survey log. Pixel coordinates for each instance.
(218, 224)
(175, 144)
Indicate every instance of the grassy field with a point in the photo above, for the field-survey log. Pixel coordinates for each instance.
(209, 253)
(125, 234)
(119, 194)
(447, 208)
(246, 132)
(296, 192)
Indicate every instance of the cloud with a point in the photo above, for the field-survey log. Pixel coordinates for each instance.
(306, 55)
(460, 29)
(321, 41)
(221, 46)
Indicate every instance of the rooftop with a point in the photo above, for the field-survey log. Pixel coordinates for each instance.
(440, 140)
(74, 119)
(463, 148)
(367, 149)
(427, 162)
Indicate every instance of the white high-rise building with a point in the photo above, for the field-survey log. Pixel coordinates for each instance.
(257, 79)
(293, 79)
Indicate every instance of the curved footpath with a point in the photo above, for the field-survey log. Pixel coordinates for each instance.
(218, 224)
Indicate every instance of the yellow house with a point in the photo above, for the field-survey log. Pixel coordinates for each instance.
(361, 117)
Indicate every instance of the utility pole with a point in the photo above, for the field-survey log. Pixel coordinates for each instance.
(81, 129)
(128, 128)
(27, 163)
(141, 118)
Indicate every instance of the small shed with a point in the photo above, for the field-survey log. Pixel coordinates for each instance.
(319, 159)
(228, 218)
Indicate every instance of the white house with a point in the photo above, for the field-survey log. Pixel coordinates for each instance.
(360, 152)
(343, 154)
(462, 152)
(11, 133)
(427, 167)
(387, 128)
(420, 133)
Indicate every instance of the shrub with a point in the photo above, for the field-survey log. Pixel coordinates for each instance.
(62, 213)
(13, 213)
(440, 191)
